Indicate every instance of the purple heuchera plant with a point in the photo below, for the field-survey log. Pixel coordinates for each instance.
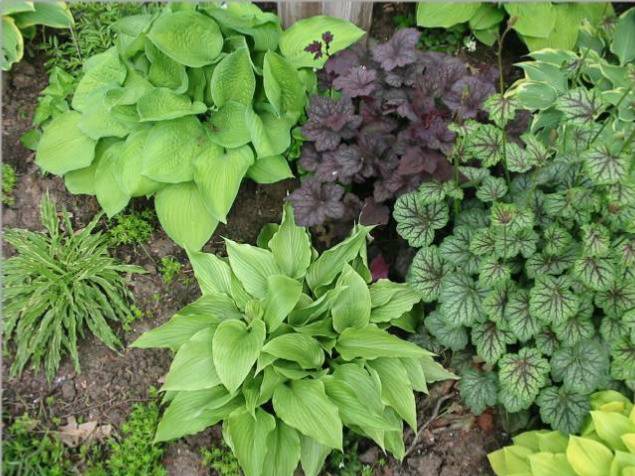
(388, 126)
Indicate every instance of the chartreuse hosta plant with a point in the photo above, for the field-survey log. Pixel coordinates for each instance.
(58, 284)
(604, 447)
(538, 24)
(19, 19)
(287, 347)
(534, 268)
(188, 102)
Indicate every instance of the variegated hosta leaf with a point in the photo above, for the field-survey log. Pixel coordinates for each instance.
(517, 159)
(522, 375)
(546, 342)
(618, 299)
(501, 108)
(579, 105)
(478, 390)
(450, 336)
(456, 250)
(623, 360)
(578, 327)
(551, 299)
(557, 239)
(431, 192)
(605, 166)
(418, 220)
(482, 242)
(491, 339)
(520, 321)
(461, 299)
(563, 409)
(491, 189)
(536, 151)
(595, 272)
(486, 144)
(582, 368)
(426, 273)
(493, 272)
(596, 239)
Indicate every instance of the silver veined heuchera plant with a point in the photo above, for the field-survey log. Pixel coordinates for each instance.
(287, 347)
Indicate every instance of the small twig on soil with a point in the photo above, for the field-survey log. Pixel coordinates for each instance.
(433, 417)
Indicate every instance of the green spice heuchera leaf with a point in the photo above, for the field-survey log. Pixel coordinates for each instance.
(190, 102)
(287, 347)
(478, 390)
(522, 375)
(417, 219)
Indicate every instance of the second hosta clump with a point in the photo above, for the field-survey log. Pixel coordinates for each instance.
(287, 347)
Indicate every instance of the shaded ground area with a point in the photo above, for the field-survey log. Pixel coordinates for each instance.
(451, 443)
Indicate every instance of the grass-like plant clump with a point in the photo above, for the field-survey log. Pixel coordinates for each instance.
(60, 283)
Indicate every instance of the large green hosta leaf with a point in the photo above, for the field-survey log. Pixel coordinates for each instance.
(228, 126)
(248, 435)
(101, 72)
(283, 86)
(63, 147)
(233, 79)
(12, 43)
(162, 104)
(218, 177)
(303, 405)
(171, 148)
(417, 220)
(188, 37)
(183, 215)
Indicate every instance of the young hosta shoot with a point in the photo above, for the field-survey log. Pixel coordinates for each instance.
(287, 347)
(534, 270)
(606, 446)
(58, 284)
(188, 102)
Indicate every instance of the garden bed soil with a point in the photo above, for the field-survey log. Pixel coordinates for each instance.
(452, 444)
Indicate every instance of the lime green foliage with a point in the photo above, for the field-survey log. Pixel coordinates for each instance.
(131, 228)
(347, 463)
(185, 105)
(169, 269)
(535, 269)
(133, 452)
(92, 34)
(287, 347)
(26, 452)
(539, 25)
(8, 184)
(58, 283)
(606, 445)
(221, 460)
(20, 17)
(136, 314)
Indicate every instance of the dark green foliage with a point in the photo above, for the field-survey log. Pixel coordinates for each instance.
(535, 266)
(8, 184)
(221, 460)
(59, 283)
(132, 229)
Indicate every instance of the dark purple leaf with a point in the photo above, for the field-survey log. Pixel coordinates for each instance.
(314, 48)
(379, 268)
(315, 202)
(467, 95)
(330, 121)
(327, 37)
(400, 50)
(359, 81)
(373, 213)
